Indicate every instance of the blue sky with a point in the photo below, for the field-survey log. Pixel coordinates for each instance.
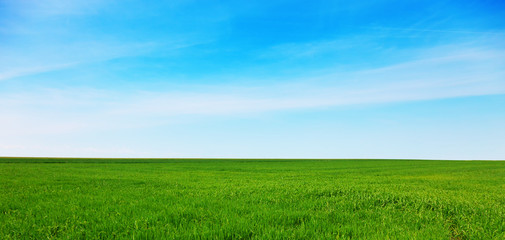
(282, 79)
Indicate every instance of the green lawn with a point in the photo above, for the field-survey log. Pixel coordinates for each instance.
(244, 199)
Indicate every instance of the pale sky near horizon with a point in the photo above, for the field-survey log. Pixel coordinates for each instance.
(255, 79)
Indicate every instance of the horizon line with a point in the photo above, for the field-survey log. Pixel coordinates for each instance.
(228, 158)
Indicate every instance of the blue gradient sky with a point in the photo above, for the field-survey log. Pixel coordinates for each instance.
(283, 79)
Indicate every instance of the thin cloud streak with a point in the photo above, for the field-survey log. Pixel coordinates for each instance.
(44, 8)
(61, 111)
(79, 54)
(14, 73)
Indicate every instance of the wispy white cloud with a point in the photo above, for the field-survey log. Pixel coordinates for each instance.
(50, 35)
(44, 8)
(433, 30)
(310, 49)
(25, 62)
(19, 72)
(471, 72)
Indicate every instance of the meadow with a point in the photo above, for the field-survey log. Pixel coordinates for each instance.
(44, 198)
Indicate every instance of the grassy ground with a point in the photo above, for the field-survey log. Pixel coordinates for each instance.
(258, 199)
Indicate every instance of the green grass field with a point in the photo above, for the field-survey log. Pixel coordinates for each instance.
(251, 199)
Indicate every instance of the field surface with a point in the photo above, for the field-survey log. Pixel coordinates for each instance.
(250, 199)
